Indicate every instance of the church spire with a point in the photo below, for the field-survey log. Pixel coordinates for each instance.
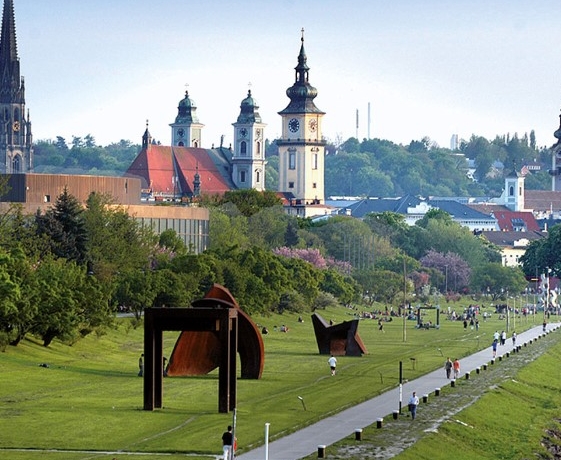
(11, 86)
(301, 93)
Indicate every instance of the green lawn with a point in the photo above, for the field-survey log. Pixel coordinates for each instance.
(90, 398)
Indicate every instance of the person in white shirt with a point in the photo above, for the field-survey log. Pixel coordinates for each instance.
(413, 403)
(332, 364)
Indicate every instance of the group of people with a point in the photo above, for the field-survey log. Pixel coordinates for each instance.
(450, 366)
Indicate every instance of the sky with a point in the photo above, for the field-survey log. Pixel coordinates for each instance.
(410, 68)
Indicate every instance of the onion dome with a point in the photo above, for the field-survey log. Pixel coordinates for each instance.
(248, 110)
(557, 133)
(187, 110)
(301, 94)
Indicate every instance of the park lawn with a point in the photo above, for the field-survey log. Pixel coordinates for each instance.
(90, 398)
(509, 421)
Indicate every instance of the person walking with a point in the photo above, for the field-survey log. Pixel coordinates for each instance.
(503, 337)
(332, 364)
(544, 325)
(495, 343)
(413, 403)
(513, 338)
(456, 367)
(448, 367)
(227, 443)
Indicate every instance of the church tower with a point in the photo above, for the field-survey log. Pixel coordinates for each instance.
(186, 131)
(16, 153)
(248, 159)
(514, 191)
(301, 147)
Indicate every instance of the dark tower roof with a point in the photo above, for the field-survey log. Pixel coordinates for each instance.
(301, 94)
(248, 112)
(187, 110)
(11, 85)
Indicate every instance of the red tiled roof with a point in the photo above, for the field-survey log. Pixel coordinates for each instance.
(155, 165)
(505, 220)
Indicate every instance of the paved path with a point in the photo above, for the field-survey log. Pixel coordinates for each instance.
(332, 429)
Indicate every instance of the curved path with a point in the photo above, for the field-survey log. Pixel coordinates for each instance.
(332, 429)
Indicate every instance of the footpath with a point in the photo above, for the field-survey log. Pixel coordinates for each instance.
(306, 441)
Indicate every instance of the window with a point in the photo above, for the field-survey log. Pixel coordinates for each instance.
(315, 161)
(511, 191)
(243, 148)
(291, 185)
(242, 176)
(16, 164)
(314, 185)
(258, 148)
(292, 160)
(257, 176)
(47, 199)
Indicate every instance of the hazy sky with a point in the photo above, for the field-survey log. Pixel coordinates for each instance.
(427, 67)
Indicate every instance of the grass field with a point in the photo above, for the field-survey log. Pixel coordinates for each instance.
(88, 403)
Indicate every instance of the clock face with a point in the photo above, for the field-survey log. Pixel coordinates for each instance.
(313, 124)
(258, 134)
(181, 132)
(293, 125)
(243, 132)
(16, 126)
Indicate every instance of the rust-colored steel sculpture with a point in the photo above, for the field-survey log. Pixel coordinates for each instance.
(339, 339)
(198, 352)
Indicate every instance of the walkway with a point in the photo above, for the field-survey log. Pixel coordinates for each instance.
(332, 429)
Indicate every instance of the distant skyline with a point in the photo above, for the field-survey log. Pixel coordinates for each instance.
(429, 68)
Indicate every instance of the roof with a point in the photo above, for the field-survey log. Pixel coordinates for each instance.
(542, 200)
(511, 238)
(509, 220)
(171, 170)
(459, 211)
(376, 205)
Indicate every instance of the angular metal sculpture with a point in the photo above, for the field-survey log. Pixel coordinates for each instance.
(339, 339)
(198, 352)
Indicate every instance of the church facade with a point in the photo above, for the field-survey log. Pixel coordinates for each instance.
(185, 170)
(16, 152)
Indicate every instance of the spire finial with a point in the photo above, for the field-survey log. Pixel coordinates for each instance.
(302, 39)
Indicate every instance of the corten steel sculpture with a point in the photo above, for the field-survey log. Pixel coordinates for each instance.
(214, 315)
(198, 352)
(339, 339)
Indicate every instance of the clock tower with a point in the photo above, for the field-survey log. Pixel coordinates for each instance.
(302, 147)
(186, 131)
(16, 152)
(248, 159)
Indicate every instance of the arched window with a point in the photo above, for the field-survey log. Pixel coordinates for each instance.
(243, 148)
(16, 164)
(258, 148)
(257, 176)
(195, 143)
(292, 160)
(511, 191)
(181, 144)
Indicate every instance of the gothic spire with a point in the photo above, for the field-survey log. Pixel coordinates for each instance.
(10, 81)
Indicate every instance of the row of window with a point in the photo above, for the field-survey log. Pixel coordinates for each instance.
(243, 148)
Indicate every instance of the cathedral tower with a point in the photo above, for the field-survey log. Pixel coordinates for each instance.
(302, 147)
(16, 153)
(186, 131)
(248, 160)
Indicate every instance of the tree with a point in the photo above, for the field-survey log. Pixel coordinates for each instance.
(65, 228)
(251, 201)
(494, 279)
(543, 254)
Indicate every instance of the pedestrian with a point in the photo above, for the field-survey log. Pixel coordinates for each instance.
(456, 367)
(141, 365)
(448, 367)
(227, 443)
(465, 324)
(513, 338)
(380, 325)
(165, 367)
(496, 336)
(503, 337)
(413, 403)
(495, 348)
(544, 325)
(477, 324)
(332, 364)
